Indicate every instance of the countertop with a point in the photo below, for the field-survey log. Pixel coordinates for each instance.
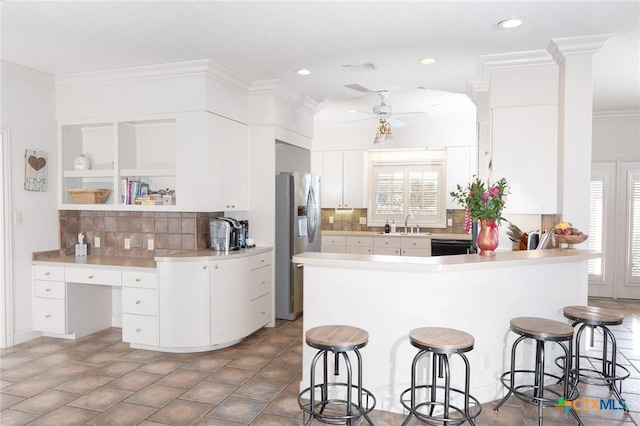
(460, 262)
(431, 235)
(47, 258)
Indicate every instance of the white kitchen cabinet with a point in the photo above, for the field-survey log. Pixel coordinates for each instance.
(333, 244)
(140, 308)
(229, 298)
(387, 245)
(359, 245)
(202, 156)
(49, 301)
(343, 179)
(184, 304)
(415, 246)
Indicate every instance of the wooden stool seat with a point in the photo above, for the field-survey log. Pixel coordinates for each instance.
(593, 315)
(337, 338)
(440, 339)
(541, 328)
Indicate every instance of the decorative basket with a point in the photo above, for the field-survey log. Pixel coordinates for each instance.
(89, 196)
(570, 240)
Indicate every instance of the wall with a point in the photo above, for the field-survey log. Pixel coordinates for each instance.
(28, 110)
(290, 158)
(616, 135)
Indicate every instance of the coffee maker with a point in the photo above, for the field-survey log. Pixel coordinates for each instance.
(225, 234)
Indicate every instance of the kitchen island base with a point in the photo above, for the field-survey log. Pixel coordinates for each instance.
(389, 295)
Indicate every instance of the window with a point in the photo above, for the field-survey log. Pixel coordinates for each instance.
(400, 189)
(596, 224)
(633, 263)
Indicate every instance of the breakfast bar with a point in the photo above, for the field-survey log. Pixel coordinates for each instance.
(388, 296)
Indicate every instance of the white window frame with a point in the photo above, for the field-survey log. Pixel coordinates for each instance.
(429, 164)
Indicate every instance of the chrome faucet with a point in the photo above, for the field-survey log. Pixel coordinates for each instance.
(406, 219)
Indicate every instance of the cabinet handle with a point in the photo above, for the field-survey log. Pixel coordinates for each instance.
(137, 280)
(414, 244)
(215, 266)
(263, 282)
(47, 290)
(47, 273)
(90, 277)
(47, 316)
(138, 330)
(262, 312)
(204, 266)
(138, 302)
(262, 260)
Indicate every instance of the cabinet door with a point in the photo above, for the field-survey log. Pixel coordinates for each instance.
(49, 315)
(229, 300)
(353, 174)
(237, 186)
(184, 312)
(332, 179)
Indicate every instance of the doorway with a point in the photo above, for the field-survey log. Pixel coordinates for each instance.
(6, 285)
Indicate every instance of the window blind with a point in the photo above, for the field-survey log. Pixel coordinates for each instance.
(596, 225)
(634, 226)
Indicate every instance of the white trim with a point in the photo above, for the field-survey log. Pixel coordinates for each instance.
(621, 114)
(6, 287)
(29, 75)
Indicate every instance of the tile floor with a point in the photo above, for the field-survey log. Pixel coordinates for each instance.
(99, 380)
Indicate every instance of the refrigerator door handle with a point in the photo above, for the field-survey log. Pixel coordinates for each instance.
(312, 220)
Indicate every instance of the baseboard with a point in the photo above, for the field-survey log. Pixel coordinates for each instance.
(25, 336)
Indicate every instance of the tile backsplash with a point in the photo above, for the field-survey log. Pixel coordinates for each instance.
(351, 222)
(171, 232)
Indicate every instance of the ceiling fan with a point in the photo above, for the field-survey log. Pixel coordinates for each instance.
(383, 111)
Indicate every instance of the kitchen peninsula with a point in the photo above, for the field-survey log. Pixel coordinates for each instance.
(390, 295)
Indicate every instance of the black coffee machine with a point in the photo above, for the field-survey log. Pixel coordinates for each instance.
(243, 233)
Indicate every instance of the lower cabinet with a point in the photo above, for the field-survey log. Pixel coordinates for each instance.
(140, 307)
(49, 315)
(229, 296)
(140, 329)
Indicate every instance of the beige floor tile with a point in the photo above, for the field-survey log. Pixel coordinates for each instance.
(32, 386)
(117, 368)
(181, 412)
(279, 373)
(101, 399)
(99, 358)
(134, 381)
(183, 378)
(161, 366)
(252, 362)
(24, 371)
(16, 418)
(84, 384)
(68, 371)
(84, 347)
(65, 415)
(208, 362)
(123, 414)
(141, 355)
(266, 419)
(45, 402)
(235, 409)
(259, 389)
(7, 401)
(285, 405)
(156, 395)
(231, 375)
(209, 392)
(13, 360)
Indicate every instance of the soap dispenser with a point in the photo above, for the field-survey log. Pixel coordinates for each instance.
(393, 227)
(387, 228)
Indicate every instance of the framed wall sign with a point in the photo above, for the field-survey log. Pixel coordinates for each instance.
(35, 170)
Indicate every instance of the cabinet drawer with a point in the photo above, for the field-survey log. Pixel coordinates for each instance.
(140, 329)
(333, 241)
(94, 276)
(359, 241)
(49, 273)
(139, 279)
(359, 250)
(391, 251)
(260, 312)
(260, 260)
(49, 289)
(417, 252)
(259, 282)
(416, 242)
(386, 242)
(332, 249)
(140, 301)
(49, 315)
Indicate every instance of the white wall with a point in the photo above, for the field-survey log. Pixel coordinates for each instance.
(616, 135)
(28, 110)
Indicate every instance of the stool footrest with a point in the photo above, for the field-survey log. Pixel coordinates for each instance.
(523, 390)
(337, 409)
(461, 416)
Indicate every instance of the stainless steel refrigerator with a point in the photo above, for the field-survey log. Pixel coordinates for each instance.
(297, 231)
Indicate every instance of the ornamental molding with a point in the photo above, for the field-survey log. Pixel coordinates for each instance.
(28, 75)
(614, 115)
(564, 47)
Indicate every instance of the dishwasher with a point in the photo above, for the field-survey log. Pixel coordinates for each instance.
(446, 247)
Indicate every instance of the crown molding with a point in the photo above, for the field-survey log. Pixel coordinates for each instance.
(27, 74)
(612, 115)
(563, 47)
(198, 67)
(284, 92)
(487, 64)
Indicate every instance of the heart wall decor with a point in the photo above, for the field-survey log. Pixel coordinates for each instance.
(35, 170)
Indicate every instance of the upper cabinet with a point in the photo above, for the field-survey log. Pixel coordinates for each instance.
(343, 178)
(197, 160)
(461, 166)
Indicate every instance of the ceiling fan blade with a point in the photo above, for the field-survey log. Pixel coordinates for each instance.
(411, 114)
(394, 122)
(359, 88)
(361, 119)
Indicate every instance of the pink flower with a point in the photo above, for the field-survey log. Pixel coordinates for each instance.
(495, 191)
(485, 196)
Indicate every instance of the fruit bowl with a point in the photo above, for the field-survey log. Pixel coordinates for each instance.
(570, 240)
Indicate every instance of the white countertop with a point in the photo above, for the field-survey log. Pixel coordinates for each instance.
(444, 263)
(431, 235)
(189, 256)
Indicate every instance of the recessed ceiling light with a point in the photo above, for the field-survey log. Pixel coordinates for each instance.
(352, 111)
(439, 106)
(510, 23)
(303, 71)
(428, 61)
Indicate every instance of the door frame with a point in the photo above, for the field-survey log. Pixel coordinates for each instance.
(6, 266)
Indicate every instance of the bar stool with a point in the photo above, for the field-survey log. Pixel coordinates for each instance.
(442, 343)
(336, 404)
(542, 330)
(610, 372)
